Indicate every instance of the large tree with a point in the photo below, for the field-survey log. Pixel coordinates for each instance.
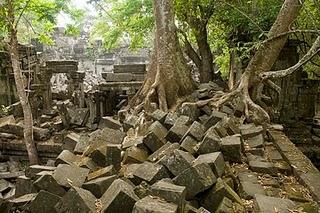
(168, 79)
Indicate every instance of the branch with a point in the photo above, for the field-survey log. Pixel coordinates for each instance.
(314, 50)
(29, 23)
(22, 12)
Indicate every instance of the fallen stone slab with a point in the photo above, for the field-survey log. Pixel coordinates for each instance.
(164, 150)
(192, 111)
(176, 133)
(113, 155)
(217, 193)
(196, 179)
(120, 195)
(154, 205)
(247, 189)
(248, 131)
(33, 170)
(24, 185)
(170, 120)
(66, 157)
(155, 137)
(183, 120)
(76, 200)
(104, 172)
(70, 175)
(188, 144)
(88, 163)
(268, 204)
(159, 115)
(225, 206)
(99, 186)
(170, 192)
(210, 143)
(232, 148)
(177, 161)
(23, 200)
(99, 155)
(134, 141)
(49, 184)
(130, 122)
(149, 172)
(78, 116)
(109, 122)
(214, 118)
(263, 167)
(215, 161)
(44, 202)
(70, 141)
(5, 185)
(134, 155)
(196, 130)
(255, 141)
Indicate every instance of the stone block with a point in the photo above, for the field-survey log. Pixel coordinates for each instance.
(109, 122)
(255, 141)
(214, 118)
(249, 131)
(217, 193)
(78, 116)
(177, 161)
(66, 157)
(263, 167)
(176, 133)
(268, 204)
(44, 202)
(164, 150)
(215, 161)
(70, 175)
(196, 179)
(88, 163)
(76, 200)
(170, 120)
(134, 141)
(112, 136)
(23, 185)
(154, 205)
(183, 120)
(49, 184)
(188, 144)
(130, 122)
(99, 155)
(159, 115)
(196, 130)
(225, 206)
(104, 172)
(113, 155)
(170, 192)
(232, 148)
(99, 186)
(70, 141)
(220, 129)
(248, 189)
(192, 111)
(32, 171)
(155, 137)
(210, 143)
(134, 155)
(120, 195)
(150, 173)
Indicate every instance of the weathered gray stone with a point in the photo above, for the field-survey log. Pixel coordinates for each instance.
(150, 173)
(130, 122)
(247, 189)
(188, 144)
(215, 161)
(159, 115)
(225, 206)
(155, 137)
(214, 118)
(196, 130)
(220, 129)
(120, 195)
(44, 202)
(268, 204)
(262, 167)
(24, 186)
(154, 205)
(78, 116)
(113, 155)
(48, 183)
(5, 185)
(22, 200)
(231, 148)
(32, 171)
(210, 143)
(255, 141)
(66, 157)
(164, 150)
(183, 120)
(134, 141)
(82, 145)
(88, 163)
(70, 175)
(99, 155)
(248, 131)
(99, 186)
(134, 155)
(109, 122)
(104, 172)
(170, 192)
(196, 179)
(177, 161)
(192, 111)
(112, 136)
(76, 200)
(176, 133)
(170, 120)
(70, 141)
(217, 193)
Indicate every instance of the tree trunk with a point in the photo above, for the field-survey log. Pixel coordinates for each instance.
(28, 120)
(169, 78)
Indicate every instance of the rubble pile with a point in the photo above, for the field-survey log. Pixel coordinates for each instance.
(195, 160)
